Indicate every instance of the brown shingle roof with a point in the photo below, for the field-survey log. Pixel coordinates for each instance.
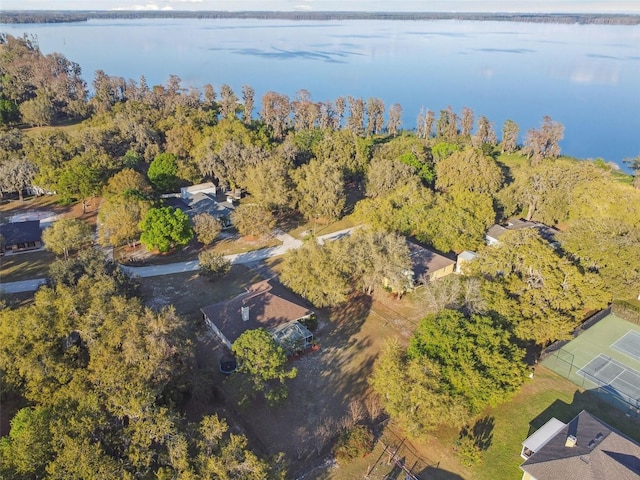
(600, 453)
(268, 308)
(425, 261)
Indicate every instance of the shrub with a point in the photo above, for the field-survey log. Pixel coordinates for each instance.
(311, 322)
(353, 443)
(213, 264)
(467, 450)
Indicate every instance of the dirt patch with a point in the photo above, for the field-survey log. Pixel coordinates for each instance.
(47, 209)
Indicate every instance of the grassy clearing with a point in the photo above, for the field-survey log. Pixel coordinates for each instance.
(320, 228)
(25, 266)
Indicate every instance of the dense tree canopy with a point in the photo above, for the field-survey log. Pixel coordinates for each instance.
(43, 87)
(206, 228)
(101, 373)
(314, 272)
(453, 368)
(126, 202)
(327, 274)
(252, 219)
(542, 294)
(165, 228)
(264, 364)
(609, 247)
(162, 172)
(469, 170)
(67, 235)
(320, 190)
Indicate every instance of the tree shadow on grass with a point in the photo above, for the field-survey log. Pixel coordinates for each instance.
(482, 432)
(592, 403)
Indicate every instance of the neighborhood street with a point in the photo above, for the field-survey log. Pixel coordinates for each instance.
(288, 243)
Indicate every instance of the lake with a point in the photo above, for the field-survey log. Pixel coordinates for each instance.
(586, 77)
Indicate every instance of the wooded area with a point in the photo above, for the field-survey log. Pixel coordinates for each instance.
(101, 376)
(81, 16)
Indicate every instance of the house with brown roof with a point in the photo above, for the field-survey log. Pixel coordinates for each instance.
(586, 448)
(427, 264)
(265, 305)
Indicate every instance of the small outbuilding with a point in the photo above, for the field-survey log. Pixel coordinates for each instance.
(492, 237)
(464, 258)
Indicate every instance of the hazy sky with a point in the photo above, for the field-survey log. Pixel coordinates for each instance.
(569, 6)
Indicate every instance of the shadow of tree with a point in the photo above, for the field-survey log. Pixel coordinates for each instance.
(590, 402)
(482, 432)
(435, 473)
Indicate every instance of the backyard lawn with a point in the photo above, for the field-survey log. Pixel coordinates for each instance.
(546, 395)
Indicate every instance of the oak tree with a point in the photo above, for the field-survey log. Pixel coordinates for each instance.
(542, 294)
(253, 219)
(165, 228)
(213, 264)
(264, 363)
(320, 190)
(67, 235)
(206, 228)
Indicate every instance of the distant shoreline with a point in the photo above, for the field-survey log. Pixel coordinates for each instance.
(58, 16)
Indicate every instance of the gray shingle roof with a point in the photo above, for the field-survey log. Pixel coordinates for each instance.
(600, 453)
(21, 232)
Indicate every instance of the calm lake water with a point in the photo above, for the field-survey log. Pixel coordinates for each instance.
(585, 76)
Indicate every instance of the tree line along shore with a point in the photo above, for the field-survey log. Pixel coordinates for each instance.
(60, 16)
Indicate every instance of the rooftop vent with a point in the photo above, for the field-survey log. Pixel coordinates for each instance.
(571, 441)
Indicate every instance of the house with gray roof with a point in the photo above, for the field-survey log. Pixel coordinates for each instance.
(20, 236)
(586, 448)
(492, 237)
(202, 198)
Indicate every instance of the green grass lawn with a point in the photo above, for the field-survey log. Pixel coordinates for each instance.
(547, 395)
(320, 228)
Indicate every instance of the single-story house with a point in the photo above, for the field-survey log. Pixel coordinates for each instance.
(202, 198)
(492, 237)
(427, 264)
(207, 187)
(265, 305)
(21, 236)
(586, 448)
